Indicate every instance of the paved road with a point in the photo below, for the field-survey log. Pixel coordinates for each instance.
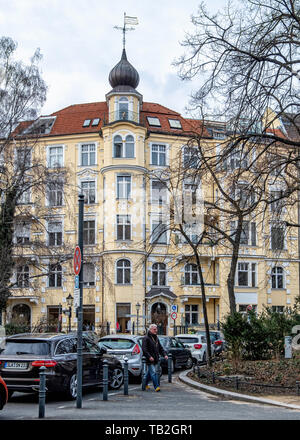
(176, 401)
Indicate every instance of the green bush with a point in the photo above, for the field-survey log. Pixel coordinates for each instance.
(259, 336)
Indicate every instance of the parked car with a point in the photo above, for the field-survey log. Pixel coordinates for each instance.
(197, 345)
(125, 346)
(216, 339)
(181, 356)
(24, 354)
(3, 393)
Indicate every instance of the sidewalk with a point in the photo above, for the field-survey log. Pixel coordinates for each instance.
(291, 402)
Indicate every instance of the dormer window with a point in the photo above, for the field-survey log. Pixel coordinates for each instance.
(95, 122)
(174, 123)
(42, 126)
(86, 123)
(155, 122)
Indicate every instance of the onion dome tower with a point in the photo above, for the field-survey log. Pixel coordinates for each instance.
(124, 75)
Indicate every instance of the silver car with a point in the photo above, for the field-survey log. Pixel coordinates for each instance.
(125, 346)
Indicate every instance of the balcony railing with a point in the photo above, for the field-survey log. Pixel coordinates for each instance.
(123, 115)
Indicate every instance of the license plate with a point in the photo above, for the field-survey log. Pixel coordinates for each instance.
(16, 365)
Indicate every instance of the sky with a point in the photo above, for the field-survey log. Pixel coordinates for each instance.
(80, 46)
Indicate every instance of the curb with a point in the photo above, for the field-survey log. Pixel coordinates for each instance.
(217, 391)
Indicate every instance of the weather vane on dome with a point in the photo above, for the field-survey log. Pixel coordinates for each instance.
(127, 20)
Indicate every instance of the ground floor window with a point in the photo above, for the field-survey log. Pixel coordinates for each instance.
(88, 318)
(191, 314)
(123, 321)
(54, 317)
(244, 308)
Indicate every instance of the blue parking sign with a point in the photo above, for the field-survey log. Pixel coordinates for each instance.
(174, 308)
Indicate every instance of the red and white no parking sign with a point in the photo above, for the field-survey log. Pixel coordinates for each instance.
(77, 260)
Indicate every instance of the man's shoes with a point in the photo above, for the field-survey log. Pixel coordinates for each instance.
(157, 389)
(147, 387)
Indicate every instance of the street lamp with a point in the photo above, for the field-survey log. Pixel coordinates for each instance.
(138, 305)
(70, 303)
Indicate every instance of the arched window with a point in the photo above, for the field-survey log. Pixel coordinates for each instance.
(118, 146)
(277, 277)
(21, 314)
(123, 108)
(123, 271)
(159, 272)
(129, 146)
(55, 275)
(191, 276)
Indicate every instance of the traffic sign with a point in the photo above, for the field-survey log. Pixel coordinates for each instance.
(174, 315)
(249, 307)
(174, 308)
(76, 281)
(76, 298)
(77, 260)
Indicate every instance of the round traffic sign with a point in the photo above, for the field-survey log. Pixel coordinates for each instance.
(77, 260)
(249, 307)
(174, 315)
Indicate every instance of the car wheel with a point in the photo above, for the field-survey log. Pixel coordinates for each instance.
(117, 379)
(71, 389)
(189, 363)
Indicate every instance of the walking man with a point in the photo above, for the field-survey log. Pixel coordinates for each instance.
(152, 349)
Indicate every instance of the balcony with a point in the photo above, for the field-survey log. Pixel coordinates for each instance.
(123, 115)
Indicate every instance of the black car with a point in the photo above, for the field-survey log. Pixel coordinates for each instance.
(24, 354)
(181, 356)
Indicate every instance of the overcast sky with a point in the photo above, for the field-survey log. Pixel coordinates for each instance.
(80, 45)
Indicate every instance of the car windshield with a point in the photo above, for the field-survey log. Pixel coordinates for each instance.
(116, 343)
(187, 340)
(26, 347)
(163, 341)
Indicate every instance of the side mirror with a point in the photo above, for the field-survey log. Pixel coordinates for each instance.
(103, 350)
(186, 346)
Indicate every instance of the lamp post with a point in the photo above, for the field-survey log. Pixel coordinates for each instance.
(70, 303)
(138, 305)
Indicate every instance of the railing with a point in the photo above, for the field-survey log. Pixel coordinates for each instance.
(123, 115)
(239, 383)
(180, 329)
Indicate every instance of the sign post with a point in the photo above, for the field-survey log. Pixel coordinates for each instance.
(78, 254)
(174, 316)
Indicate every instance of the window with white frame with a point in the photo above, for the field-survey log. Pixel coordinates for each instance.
(246, 275)
(123, 227)
(23, 276)
(89, 232)
(158, 192)
(25, 194)
(159, 274)
(277, 237)
(190, 157)
(124, 148)
(55, 193)
(123, 268)
(22, 233)
(190, 192)
(55, 233)
(277, 277)
(88, 275)
(55, 275)
(248, 233)
(192, 230)
(235, 160)
(244, 194)
(159, 232)
(123, 108)
(158, 154)
(88, 154)
(191, 274)
(88, 189)
(191, 314)
(55, 157)
(123, 187)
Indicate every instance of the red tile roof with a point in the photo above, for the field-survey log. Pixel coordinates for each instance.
(70, 120)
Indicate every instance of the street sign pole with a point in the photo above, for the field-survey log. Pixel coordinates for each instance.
(80, 311)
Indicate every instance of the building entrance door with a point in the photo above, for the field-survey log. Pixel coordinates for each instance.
(123, 318)
(159, 317)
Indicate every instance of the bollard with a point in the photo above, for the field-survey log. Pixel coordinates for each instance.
(170, 367)
(42, 392)
(298, 388)
(125, 377)
(157, 366)
(105, 379)
(237, 382)
(213, 377)
(143, 373)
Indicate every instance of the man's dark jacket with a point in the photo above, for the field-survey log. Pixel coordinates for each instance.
(152, 348)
